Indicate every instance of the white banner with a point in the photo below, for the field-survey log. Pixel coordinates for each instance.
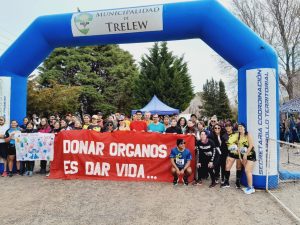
(261, 116)
(34, 146)
(5, 92)
(118, 21)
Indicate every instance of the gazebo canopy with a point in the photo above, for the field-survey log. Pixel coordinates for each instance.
(291, 106)
(155, 106)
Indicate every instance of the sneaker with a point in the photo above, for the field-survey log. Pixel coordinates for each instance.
(212, 185)
(249, 190)
(10, 174)
(238, 184)
(4, 174)
(197, 182)
(225, 185)
(48, 174)
(217, 181)
(185, 181)
(175, 181)
(30, 173)
(222, 181)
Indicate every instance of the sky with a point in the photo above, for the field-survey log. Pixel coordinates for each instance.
(17, 15)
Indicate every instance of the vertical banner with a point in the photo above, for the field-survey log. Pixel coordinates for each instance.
(5, 93)
(262, 117)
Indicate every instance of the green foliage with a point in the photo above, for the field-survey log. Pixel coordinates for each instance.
(166, 76)
(58, 98)
(215, 100)
(105, 74)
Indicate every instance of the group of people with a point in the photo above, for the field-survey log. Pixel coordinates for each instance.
(218, 144)
(290, 129)
(217, 148)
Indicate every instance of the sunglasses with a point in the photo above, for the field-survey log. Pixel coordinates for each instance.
(217, 128)
(213, 121)
(110, 125)
(182, 143)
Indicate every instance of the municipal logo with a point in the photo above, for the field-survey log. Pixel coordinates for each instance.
(83, 21)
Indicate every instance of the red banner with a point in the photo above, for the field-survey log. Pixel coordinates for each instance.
(122, 155)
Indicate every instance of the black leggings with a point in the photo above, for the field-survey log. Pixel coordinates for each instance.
(202, 171)
(29, 165)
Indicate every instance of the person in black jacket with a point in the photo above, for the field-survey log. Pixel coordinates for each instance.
(221, 146)
(207, 158)
(174, 129)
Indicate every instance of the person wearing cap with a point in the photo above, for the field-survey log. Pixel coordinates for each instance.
(180, 160)
(231, 139)
(94, 125)
(138, 124)
(247, 155)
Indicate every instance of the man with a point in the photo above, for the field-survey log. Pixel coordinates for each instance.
(156, 126)
(194, 118)
(138, 124)
(3, 145)
(147, 118)
(181, 159)
(94, 125)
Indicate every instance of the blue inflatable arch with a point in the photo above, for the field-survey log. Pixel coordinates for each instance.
(208, 20)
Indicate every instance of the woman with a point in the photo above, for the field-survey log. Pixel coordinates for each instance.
(173, 129)
(29, 164)
(201, 127)
(86, 121)
(77, 125)
(221, 147)
(24, 125)
(191, 129)
(56, 128)
(44, 128)
(231, 139)
(166, 122)
(207, 158)
(122, 125)
(109, 127)
(64, 125)
(11, 151)
(182, 123)
(247, 155)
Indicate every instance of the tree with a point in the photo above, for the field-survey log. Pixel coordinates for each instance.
(106, 75)
(278, 23)
(223, 105)
(210, 98)
(58, 98)
(215, 100)
(166, 76)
